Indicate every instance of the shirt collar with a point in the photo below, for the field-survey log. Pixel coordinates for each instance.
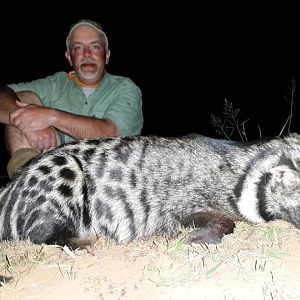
(72, 76)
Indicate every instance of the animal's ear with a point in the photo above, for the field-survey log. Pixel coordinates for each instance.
(296, 163)
(284, 175)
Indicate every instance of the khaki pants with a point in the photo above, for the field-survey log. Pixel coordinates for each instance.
(20, 158)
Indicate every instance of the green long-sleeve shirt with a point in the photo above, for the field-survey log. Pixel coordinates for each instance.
(117, 98)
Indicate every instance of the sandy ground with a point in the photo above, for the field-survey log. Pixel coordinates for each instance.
(255, 262)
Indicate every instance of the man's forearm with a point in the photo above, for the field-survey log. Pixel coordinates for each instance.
(80, 127)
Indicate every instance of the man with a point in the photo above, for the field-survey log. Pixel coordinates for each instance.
(86, 103)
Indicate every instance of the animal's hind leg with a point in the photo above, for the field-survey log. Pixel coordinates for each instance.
(210, 228)
(42, 228)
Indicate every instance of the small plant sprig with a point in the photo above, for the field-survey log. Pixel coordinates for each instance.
(290, 97)
(230, 123)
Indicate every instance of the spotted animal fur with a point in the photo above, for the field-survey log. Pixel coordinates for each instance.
(128, 188)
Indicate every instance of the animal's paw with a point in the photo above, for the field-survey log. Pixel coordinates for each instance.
(212, 233)
(204, 235)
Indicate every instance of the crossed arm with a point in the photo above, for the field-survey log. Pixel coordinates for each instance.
(30, 117)
(38, 123)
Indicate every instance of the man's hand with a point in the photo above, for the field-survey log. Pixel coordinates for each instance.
(43, 139)
(29, 117)
(32, 121)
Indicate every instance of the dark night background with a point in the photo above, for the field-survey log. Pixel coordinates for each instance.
(186, 60)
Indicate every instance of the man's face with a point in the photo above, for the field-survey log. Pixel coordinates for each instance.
(87, 54)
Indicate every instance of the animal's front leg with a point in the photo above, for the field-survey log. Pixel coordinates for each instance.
(209, 228)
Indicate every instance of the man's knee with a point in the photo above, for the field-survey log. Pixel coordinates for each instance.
(30, 98)
(20, 158)
(14, 139)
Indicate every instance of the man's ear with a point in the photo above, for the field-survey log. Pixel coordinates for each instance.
(68, 57)
(107, 56)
